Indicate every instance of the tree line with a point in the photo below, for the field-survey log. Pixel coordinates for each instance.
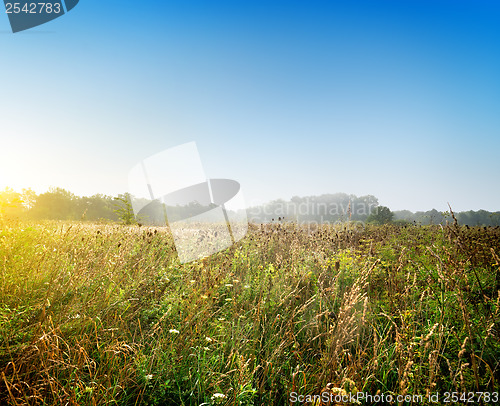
(61, 204)
(342, 207)
(470, 218)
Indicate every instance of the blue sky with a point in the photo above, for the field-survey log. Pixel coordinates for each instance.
(399, 99)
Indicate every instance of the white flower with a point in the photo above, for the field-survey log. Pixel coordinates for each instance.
(236, 281)
(217, 396)
(173, 331)
(208, 339)
(228, 299)
(228, 285)
(149, 377)
(192, 281)
(221, 319)
(246, 286)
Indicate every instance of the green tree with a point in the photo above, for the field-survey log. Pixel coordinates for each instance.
(97, 207)
(124, 208)
(381, 215)
(56, 204)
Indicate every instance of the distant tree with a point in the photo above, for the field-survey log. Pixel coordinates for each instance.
(11, 204)
(381, 215)
(404, 215)
(363, 206)
(28, 197)
(124, 208)
(436, 217)
(56, 204)
(97, 207)
(495, 219)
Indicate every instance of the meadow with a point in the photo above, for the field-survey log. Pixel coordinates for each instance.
(98, 314)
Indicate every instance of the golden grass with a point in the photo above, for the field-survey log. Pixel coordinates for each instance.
(94, 314)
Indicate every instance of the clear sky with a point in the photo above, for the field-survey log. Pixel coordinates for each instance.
(395, 98)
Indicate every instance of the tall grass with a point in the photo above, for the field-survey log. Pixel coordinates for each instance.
(94, 314)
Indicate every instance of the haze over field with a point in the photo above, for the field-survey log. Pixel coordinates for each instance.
(397, 99)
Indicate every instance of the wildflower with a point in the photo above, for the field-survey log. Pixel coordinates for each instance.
(208, 339)
(149, 377)
(246, 286)
(173, 331)
(229, 285)
(204, 296)
(192, 281)
(228, 299)
(218, 396)
(221, 319)
(236, 281)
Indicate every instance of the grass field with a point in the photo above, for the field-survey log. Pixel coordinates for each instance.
(94, 314)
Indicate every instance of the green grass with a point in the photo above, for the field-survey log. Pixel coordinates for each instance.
(105, 314)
